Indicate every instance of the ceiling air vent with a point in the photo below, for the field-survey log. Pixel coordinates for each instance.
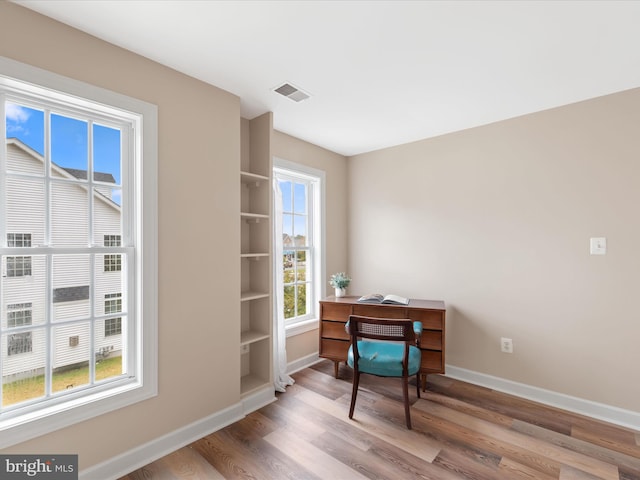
(289, 91)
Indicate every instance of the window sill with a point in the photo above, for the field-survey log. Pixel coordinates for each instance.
(299, 328)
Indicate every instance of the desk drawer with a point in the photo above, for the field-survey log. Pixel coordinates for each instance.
(431, 319)
(432, 361)
(334, 330)
(331, 311)
(334, 349)
(431, 339)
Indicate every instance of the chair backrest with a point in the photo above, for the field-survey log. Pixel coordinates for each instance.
(390, 329)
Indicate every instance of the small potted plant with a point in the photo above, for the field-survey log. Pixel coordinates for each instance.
(340, 281)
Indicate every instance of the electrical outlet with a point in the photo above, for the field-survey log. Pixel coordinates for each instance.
(506, 345)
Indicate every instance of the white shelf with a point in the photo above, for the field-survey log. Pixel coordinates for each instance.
(252, 336)
(246, 296)
(252, 179)
(253, 217)
(250, 383)
(256, 256)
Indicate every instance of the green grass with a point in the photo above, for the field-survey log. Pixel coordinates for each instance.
(30, 388)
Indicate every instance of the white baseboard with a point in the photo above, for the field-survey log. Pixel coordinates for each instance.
(303, 363)
(607, 413)
(259, 399)
(131, 460)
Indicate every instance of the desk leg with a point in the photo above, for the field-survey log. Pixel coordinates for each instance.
(336, 366)
(423, 381)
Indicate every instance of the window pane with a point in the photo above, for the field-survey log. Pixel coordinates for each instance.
(25, 293)
(285, 188)
(289, 302)
(300, 198)
(107, 218)
(108, 345)
(302, 299)
(23, 366)
(302, 274)
(300, 230)
(288, 259)
(27, 126)
(69, 215)
(287, 229)
(108, 284)
(69, 146)
(71, 287)
(71, 347)
(106, 154)
(26, 208)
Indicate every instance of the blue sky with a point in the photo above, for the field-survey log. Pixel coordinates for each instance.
(294, 202)
(69, 139)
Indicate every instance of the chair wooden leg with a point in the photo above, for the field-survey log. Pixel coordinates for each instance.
(405, 391)
(354, 392)
(418, 384)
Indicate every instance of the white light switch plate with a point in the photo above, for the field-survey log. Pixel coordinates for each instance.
(598, 246)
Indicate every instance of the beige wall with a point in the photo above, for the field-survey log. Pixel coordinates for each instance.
(335, 168)
(496, 222)
(199, 148)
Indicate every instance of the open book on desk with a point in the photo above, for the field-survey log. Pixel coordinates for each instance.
(379, 298)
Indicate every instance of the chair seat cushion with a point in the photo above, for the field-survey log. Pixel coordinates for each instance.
(384, 358)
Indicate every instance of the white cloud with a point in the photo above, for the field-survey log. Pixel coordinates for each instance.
(16, 117)
(16, 113)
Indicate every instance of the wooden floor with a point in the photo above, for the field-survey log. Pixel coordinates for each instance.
(460, 431)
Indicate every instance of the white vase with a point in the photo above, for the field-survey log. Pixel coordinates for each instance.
(341, 292)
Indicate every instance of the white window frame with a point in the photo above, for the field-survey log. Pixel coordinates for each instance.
(18, 78)
(316, 178)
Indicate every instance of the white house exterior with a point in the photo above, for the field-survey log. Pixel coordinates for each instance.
(25, 302)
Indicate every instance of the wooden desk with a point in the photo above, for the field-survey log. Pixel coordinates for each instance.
(334, 340)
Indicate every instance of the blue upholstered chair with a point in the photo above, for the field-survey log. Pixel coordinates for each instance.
(387, 348)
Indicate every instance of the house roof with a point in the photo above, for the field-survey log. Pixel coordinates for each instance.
(74, 172)
(98, 176)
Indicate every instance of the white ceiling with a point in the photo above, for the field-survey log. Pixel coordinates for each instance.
(380, 73)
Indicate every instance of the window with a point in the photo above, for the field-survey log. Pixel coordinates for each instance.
(19, 343)
(18, 315)
(300, 216)
(112, 263)
(112, 304)
(18, 266)
(73, 182)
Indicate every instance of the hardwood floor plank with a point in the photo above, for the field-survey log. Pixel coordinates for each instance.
(570, 473)
(593, 450)
(509, 468)
(463, 465)
(614, 439)
(356, 459)
(186, 463)
(226, 458)
(538, 447)
(478, 412)
(311, 457)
